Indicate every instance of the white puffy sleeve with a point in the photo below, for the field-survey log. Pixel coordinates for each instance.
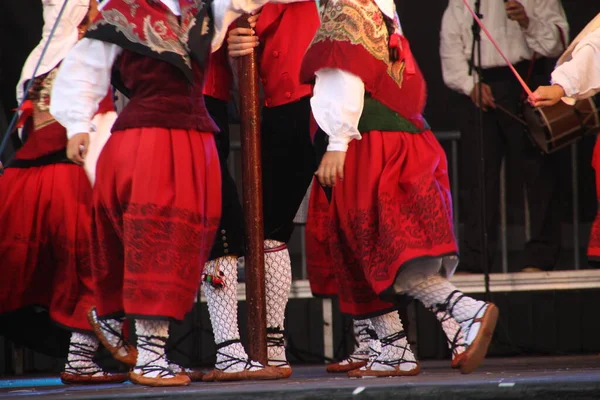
(82, 82)
(337, 104)
(580, 77)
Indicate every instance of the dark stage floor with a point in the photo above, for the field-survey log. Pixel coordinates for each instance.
(572, 377)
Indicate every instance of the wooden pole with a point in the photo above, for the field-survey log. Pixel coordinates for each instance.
(253, 204)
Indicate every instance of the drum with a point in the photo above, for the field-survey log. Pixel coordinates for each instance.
(552, 128)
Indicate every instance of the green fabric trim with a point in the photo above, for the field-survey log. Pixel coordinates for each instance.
(377, 116)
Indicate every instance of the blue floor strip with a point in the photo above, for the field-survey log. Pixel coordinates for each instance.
(29, 382)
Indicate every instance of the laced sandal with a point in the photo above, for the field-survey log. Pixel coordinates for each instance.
(165, 376)
(358, 359)
(476, 350)
(283, 366)
(194, 374)
(220, 374)
(87, 374)
(391, 340)
(457, 344)
(99, 326)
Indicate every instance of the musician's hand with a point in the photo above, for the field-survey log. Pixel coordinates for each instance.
(242, 41)
(77, 147)
(331, 168)
(516, 12)
(1, 168)
(547, 96)
(487, 98)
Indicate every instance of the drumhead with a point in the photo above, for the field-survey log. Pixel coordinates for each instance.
(536, 128)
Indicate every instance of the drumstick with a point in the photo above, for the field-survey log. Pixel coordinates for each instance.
(521, 81)
(499, 107)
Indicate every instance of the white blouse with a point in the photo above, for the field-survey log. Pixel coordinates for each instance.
(84, 76)
(580, 76)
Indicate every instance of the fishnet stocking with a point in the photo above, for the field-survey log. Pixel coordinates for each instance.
(151, 359)
(395, 350)
(436, 292)
(223, 310)
(80, 360)
(454, 333)
(278, 281)
(362, 338)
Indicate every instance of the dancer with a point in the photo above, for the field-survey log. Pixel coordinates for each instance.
(157, 198)
(577, 77)
(392, 222)
(322, 277)
(45, 203)
(283, 32)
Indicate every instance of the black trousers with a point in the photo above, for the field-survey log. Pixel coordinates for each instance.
(502, 134)
(288, 165)
(230, 236)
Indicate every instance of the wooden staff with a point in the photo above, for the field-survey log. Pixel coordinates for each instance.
(253, 203)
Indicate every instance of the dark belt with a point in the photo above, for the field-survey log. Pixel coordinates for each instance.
(504, 73)
(58, 157)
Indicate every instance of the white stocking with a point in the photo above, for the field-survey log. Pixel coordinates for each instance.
(80, 360)
(362, 338)
(438, 293)
(278, 277)
(395, 350)
(223, 310)
(152, 339)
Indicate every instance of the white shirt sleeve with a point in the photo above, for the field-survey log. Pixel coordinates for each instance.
(455, 68)
(337, 104)
(543, 35)
(82, 82)
(580, 77)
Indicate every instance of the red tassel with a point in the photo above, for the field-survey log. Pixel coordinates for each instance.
(26, 112)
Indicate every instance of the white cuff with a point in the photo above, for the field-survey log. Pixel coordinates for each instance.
(79, 127)
(338, 143)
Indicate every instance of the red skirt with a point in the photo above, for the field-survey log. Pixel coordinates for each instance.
(594, 243)
(157, 205)
(44, 242)
(393, 207)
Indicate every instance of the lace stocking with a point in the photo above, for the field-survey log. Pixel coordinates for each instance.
(80, 360)
(152, 338)
(362, 339)
(438, 293)
(223, 310)
(278, 274)
(454, 332)
(395, 350)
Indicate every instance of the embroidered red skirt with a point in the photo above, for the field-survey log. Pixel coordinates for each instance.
(594, 243)
(44, 242)
(393, 207)
(157, 205)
